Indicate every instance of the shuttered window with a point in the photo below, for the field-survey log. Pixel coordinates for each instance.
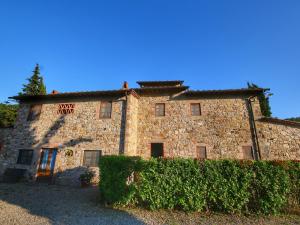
(25, 156)
(105, 109)
(91, 158)
(160, 109)
(248, 152)
(34, 112)
(195, 109)
(201, 152)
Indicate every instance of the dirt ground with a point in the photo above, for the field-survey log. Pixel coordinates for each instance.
(51, 204)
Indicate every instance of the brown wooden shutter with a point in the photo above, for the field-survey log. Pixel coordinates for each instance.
(91, 158)
(195, 109)
(247, 152)
(160, 109)
(201, 152)
(105, 109)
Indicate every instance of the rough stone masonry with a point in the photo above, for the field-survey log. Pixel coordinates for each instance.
(222, 127)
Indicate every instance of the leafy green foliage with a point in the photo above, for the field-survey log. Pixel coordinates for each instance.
(270, 188)
(170, 184)
(35, 84)
(263, 100)
(8, 114)
(114, 174)
(229, 186)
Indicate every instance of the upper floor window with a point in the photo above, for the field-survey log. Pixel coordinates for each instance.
(201, 152)
(91, 158)
(66, 108)
(160, 109)
(248, 152)
(105, 109)
(195, 109)
(34, 112)
(25, 156)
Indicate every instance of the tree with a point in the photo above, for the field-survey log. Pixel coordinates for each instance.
(35, 84)
(296, 119)
(263, 100)
(8, 114)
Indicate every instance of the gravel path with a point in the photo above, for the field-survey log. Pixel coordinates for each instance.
(50, 204)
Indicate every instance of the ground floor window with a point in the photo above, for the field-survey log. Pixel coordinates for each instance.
(157, 150)
(91, 158)
(248, 152)
(201, 152)
(25, 156)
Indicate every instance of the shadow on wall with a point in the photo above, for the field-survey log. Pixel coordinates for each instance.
(51, 204)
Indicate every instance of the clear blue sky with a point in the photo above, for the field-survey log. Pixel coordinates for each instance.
(92, 45)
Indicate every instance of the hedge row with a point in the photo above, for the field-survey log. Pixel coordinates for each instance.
(190, 185)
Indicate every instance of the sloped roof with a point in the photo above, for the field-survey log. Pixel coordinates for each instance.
(279, 121)
(191, 93)
(159, 83)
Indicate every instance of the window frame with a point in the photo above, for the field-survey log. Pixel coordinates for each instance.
(245, 157)
(164, 109)
(25, 161)
(84, 160)
(30, 116)
(198, 149)
(163, 149)
(101, 107)
(191, 108)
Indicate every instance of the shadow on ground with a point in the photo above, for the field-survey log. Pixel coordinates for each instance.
(51, 204)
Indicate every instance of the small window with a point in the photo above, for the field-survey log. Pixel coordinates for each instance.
(25, 156)
(201, 152)
(105, 109)
(195, 109)
(34, 112)
(91, 158)
(248, 152)
(1, 145)
(160, 109)
(65, 109)
(157, 150)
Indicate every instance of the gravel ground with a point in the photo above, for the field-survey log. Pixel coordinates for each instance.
(51, 204)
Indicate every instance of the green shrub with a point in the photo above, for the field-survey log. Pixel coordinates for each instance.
(270, 187)
(169, 184)
(228, 185)
(114, 173)
(218, 185)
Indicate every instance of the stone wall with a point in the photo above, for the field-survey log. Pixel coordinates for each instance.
(223, 126)
(131, 126)
(79, 131)
(278, 141)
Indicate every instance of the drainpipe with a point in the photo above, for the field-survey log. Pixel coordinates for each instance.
(253, 129)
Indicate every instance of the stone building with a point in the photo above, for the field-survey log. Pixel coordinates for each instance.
(59, 135)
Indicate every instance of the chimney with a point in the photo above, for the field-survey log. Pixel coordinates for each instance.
(54, 92)
(125, 85)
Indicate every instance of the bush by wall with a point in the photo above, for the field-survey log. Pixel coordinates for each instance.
(190, 185)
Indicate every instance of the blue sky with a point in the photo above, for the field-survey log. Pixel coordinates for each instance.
(211, 44)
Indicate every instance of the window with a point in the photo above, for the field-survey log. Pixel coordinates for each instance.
(157, 150)
(65, 109)
(25, 156)
(248, 152)
(160, 109)
(1, 146)
(34, 112)
(201, 152)
(195, 109)
(91, 158)
(105, 109)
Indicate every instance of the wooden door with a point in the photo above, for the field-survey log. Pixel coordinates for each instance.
(46, 165)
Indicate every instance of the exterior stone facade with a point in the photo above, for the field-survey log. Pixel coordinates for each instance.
(223, 128)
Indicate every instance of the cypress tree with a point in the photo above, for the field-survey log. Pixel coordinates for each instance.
(35, 84)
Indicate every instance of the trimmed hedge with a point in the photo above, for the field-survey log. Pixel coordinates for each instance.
(218, 185)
